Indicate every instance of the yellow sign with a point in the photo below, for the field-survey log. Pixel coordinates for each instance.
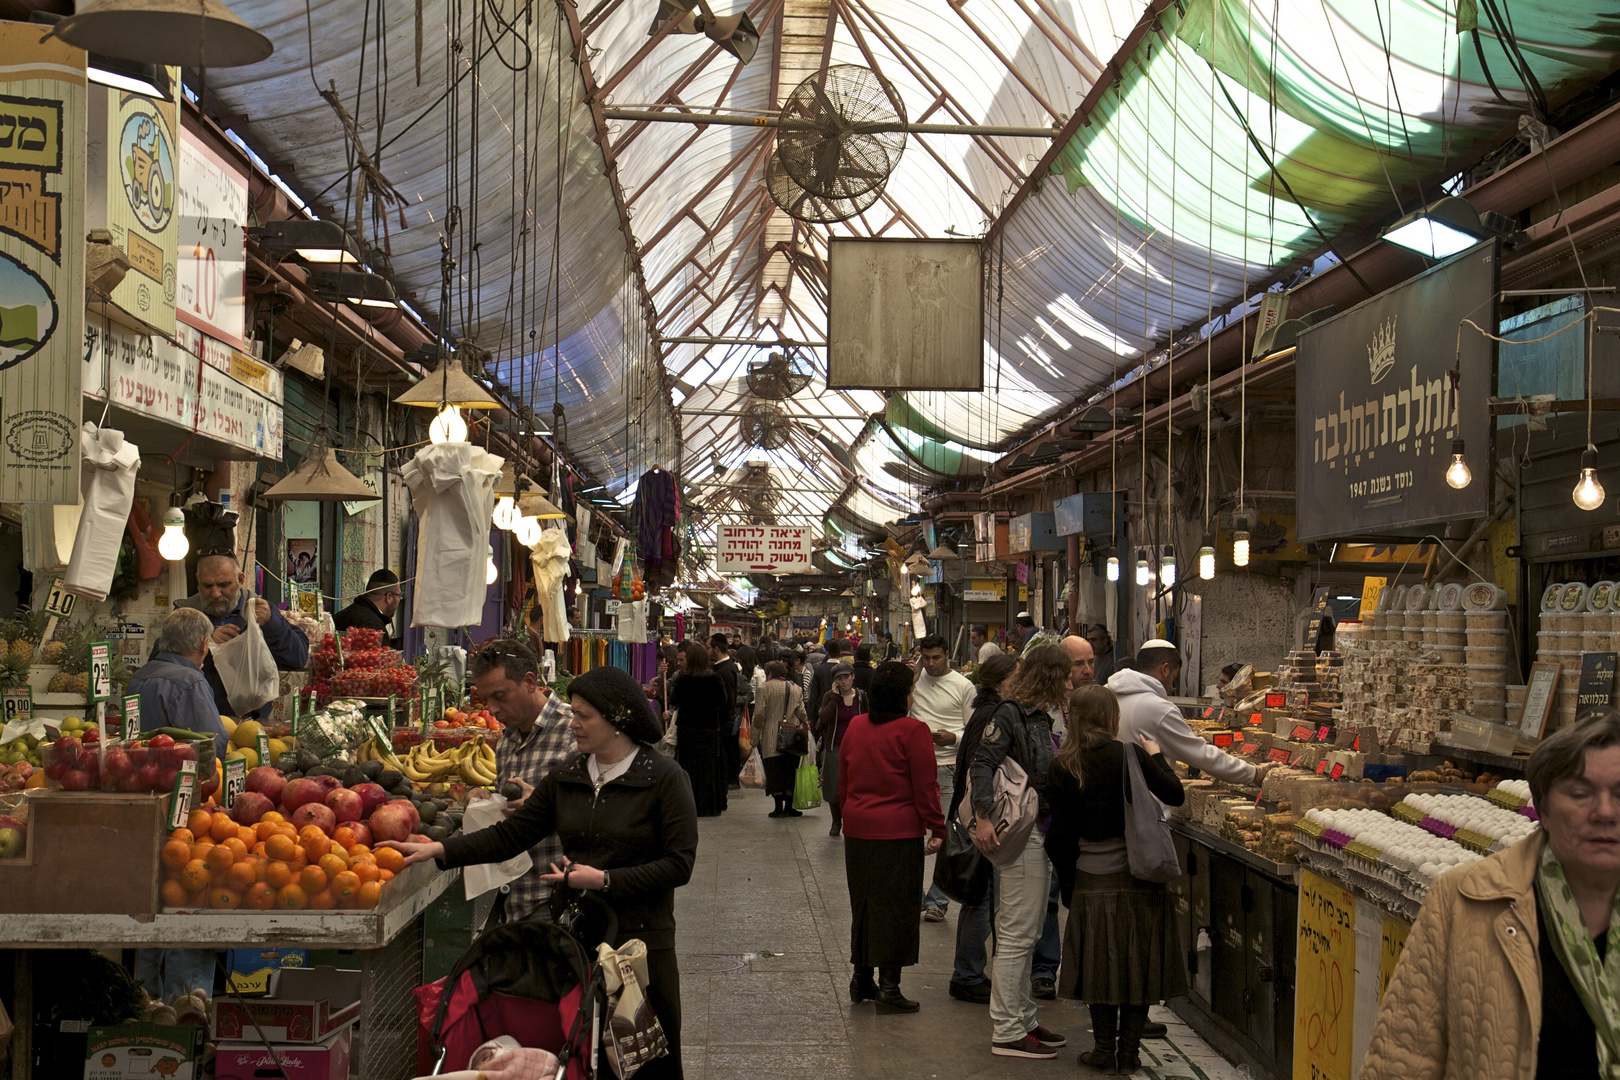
(31, 133)
(1371, 588)
(1324, 994)
(1395, 931)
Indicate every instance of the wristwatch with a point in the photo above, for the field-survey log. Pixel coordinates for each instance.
(607, 882)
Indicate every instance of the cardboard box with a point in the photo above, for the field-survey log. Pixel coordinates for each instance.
(89, 853)
(306, 1005)
(251, 969)
(143, 1051)
(325, 1060)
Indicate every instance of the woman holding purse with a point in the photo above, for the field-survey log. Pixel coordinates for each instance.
(1117, 952)
(781, 735)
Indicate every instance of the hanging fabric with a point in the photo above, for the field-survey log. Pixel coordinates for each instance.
(550, 561)
(657, 513)
(452, 489)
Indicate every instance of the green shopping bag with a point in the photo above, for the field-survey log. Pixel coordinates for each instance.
(807, 781)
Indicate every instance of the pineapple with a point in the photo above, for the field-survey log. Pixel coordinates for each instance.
(73, 674)
(24, 633)
(13, 672)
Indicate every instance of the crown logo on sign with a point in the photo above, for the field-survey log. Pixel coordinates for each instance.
(1381, 353)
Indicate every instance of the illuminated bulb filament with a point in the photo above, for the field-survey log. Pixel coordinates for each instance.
(1240, 548)
(448, 426)
(1113, 568)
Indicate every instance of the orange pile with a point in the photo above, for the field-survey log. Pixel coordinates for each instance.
(214, 862)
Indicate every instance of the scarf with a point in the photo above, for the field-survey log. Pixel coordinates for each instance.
(1596, 981)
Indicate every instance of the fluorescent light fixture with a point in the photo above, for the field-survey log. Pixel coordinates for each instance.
(314, 241)
(355, 289)
(1445, 227)
(148, 80)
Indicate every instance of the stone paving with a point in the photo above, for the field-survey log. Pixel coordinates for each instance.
(764, 940)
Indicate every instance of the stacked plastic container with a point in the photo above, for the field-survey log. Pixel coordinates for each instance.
(1576, 618)
(1489, 650)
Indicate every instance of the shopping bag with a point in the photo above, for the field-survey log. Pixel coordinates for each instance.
(1150, 851)
(960, 872)
(245, 665)
(753, 774)
(632, 1035)
(745, 733)
(807, 782)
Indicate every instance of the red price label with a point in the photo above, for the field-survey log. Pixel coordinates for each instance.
(1302, 733)
(1279, 754)
(1338, 771)
(1255, 719)
(1322, 733)
(1276, 701)
(1248, 748)
(1223, 739)
(1209, 711)
(1321, 767)
(1357, 744)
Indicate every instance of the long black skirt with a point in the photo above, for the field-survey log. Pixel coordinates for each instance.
(698, 751)
(885, 878)
(779, 773)
(1117, 950)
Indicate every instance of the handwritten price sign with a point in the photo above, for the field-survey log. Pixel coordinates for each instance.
(101, 672)
(1324, 1015)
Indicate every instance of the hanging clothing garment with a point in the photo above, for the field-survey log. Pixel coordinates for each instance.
(550, 561)
(632, 621)
(453, 493)
(107, 488)
(657, 513)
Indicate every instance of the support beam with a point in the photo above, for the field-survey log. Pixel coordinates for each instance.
(664, 116)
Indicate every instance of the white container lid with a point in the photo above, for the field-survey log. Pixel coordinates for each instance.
(1550, 595)
(1600, 598)
(1573, 598)
(1449, 597)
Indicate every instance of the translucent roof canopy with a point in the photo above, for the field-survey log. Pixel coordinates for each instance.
(1240, 137)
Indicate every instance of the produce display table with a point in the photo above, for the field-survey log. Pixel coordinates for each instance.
(1235, 916)
(390, 941)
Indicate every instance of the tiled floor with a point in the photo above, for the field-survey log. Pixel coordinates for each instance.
(764, 940)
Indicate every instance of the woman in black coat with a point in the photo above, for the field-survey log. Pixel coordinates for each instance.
(702, 720)
(628, 827)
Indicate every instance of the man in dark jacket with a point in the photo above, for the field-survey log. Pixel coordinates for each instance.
(726, 668)
(822, 680)
(173, 690)
(863, 668)
(374, 609)
(219, 596)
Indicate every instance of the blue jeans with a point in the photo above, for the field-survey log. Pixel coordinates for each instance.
(168, 973)
(973, 925)
(1049, 949)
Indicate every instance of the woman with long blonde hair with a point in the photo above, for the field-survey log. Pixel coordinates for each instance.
(1117, 954)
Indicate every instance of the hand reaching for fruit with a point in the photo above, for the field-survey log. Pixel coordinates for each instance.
(414, 853)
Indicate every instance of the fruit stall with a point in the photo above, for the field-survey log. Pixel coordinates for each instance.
(117, 838)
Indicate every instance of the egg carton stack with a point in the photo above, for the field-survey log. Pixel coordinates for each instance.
(1514, 795)
(1392, 860)
(1477, 824)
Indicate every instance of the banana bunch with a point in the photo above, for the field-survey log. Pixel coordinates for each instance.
(375, 749)
(477, 762)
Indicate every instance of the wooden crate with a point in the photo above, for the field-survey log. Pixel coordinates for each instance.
(89, 853)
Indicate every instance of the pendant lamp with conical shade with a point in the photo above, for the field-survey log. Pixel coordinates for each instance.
(538, 506)
(448, 384)
(184, 33)
(943, 554)
(320, 478)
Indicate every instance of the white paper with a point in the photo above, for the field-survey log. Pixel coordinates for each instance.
(480, 878)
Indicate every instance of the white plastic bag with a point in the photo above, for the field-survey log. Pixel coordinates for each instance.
(753, 774)
(245, 665)
(479, 878)
(106, 489)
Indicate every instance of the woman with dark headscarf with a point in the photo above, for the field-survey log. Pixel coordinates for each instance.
(628, 827)
(702, 719)
(889, 787)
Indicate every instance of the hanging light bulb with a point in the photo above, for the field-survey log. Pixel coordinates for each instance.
(1143, 573)
(505, 515)
(173, 545)
(1206, 559)
(1113, 568)
(1167, 566)
(448, 426)
(1458, 475)
(491, 571)
(1588, 493)
(527, 531)
(1240, 542)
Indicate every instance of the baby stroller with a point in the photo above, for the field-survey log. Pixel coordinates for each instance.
(537, 982)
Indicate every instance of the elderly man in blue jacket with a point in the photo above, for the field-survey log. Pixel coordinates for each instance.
(219, 596)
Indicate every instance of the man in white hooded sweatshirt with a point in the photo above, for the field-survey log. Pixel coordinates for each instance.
(1145, 708)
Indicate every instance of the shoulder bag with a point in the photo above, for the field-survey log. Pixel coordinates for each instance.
(960, 872)
(1014, 805)
(1150, 851)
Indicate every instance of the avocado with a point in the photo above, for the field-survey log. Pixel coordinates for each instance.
(372, 769)
(510, 791)
(435, 833)
(287, 763)
(354, 776)
(429, 813)
(307, 760)
(294, 775)
(388, 778)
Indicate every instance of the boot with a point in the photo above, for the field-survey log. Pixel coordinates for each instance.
(1132, 1019)
(781, 807)
(889, 998)
(837, 820)
(862, 987)
(1104, 1031)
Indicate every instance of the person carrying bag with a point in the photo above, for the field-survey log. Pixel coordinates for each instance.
(245, 665)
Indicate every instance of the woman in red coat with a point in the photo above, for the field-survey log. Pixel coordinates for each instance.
(889, 788)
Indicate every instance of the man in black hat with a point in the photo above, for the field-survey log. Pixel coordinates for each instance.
(374, 609)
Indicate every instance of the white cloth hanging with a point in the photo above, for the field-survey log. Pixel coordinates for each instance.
(632, 622)
(107, 489)
(453, 493)
(549, 557)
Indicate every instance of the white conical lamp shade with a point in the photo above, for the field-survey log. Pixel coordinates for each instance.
(186, 33)
(320, 478)
(448, 384)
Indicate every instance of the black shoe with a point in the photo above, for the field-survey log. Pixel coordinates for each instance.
(837, 829)
(862, 988)
(777, 813)
(1154, 1030)
(793, 813)
(1043, 988)
(889, 999)
(1104, 1061)
(977, 993)
(1128, 1061)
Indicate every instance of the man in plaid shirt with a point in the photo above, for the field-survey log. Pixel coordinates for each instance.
(537, 740)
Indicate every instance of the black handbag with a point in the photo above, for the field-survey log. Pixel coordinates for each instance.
(960, 872)
(790, 740)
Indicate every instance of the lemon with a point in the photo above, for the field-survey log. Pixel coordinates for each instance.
(230, 724)
(277, 748)
(246, 734)
(246, 754)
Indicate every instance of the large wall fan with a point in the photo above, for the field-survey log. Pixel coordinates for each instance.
(779, 376)
(839, 136)
(765, 426)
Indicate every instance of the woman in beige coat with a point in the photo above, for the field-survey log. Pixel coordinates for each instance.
(779, 704)
(1513, 968)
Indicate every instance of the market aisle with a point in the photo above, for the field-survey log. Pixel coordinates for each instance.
(776, 887)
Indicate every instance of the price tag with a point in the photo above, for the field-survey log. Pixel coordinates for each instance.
(1256, 719)
(1276, 701)
(132, 717)
(393, 709)
(263, 749)
(101, 672)
(59, 603)
(1223, 739)
(1302, 733)
(1322, 733)
(1248, 748)
(235, 780)
(1338, 771)
(20, 705)
(1278, 754)
(380, 732)
(432, 704)
(1321, 767)
(184, 785)
(1209, 711)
